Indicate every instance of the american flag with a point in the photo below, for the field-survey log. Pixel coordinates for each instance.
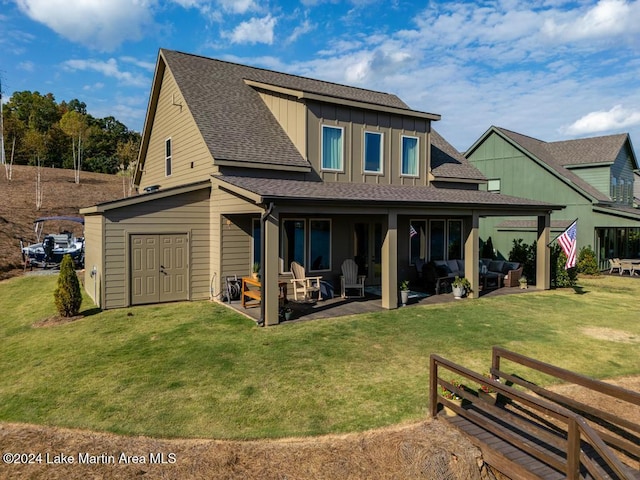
(569, 244)
(412, 231)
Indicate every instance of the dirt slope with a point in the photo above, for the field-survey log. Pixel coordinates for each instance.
(60, 196)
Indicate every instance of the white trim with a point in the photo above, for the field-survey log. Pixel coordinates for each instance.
(402, 137)
(168, 159)
(380, 171)
(342, 139)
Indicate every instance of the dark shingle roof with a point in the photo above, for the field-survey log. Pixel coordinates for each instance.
(584, 151)
(235, 123)
(546, 153)
(447, 162)
(283, 189)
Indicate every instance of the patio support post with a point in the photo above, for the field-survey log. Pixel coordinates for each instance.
(472, 255)
(270, 268)
(390, 263)
(543, 253)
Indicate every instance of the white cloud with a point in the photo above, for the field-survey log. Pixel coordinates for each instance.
(27, 66)
(255, 30)
(102, 25)
(608, 18)
(108, 68)
(238, 6)
(601, 121)
(302, 29)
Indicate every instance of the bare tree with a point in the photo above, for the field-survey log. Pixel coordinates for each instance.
(74, 124)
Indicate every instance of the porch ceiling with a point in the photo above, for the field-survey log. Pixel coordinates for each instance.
(266, 190)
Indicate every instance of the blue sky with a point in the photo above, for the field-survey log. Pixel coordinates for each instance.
(550, 69)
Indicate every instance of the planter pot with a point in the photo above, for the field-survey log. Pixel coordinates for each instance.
(523, 285)
(287, 315)
(254, 275)
(448, 411)
(489, 397)
(458, 292)
(404, 297)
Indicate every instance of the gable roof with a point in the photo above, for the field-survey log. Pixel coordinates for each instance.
(236, 125)
(584, 151)
(557, 156)
(448, 163)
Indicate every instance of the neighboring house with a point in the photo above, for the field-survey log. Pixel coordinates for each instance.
(244, 165)
(592, 177)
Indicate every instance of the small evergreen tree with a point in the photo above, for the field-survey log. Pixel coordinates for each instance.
(587, 263)
(565, 278)
(487, 249)
(67, 296)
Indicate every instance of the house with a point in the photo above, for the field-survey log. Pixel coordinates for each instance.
(241, 165)
(592, 177)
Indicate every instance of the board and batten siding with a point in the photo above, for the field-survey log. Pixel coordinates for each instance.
(186, 213)
(291, 115)
(355, 122)
(191, 158)
(93, 259)
(230, 236)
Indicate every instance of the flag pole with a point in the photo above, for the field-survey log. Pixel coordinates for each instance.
(556, 237)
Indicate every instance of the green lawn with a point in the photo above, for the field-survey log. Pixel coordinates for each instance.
(200, 370)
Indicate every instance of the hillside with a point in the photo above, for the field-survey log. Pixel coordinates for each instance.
(60, 196)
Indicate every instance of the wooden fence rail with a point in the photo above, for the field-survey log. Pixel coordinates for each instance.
(554, 448)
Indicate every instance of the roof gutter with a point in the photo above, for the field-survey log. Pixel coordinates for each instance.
(263, 253)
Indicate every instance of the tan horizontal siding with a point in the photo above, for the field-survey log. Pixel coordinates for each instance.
(186, 213)
(191, 159)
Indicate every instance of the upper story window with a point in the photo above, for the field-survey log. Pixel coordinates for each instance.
(372, 152)
(332, 150)
(493, 185)
(409, 156)
(167, 157)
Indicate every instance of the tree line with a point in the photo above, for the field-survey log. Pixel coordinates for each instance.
(39, 131)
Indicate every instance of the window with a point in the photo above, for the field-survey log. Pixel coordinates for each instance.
(372, 152)
(319, 245)
(167, 157)
(293, 234)
(332, 150)
(409, 156)
(493, 185)
(257, 241)
(417, 240)
(454, 240)
(436, 240)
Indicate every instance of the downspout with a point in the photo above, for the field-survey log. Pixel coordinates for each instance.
(263, 253)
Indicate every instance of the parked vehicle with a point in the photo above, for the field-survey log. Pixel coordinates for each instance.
(50, 248)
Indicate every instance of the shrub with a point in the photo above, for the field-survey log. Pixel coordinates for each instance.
(487, 249)
(564, 278)
(525, 255)
(67, 296)
(587, 263)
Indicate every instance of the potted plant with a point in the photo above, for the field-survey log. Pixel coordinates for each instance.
(287, 313)
(255, 271)
(486, 392)
(523, 282)
(460, 286)
(404, 292)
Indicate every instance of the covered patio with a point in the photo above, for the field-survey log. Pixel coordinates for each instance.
(278, 217)
(340, 307)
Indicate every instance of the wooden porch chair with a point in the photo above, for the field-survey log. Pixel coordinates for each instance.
(614, 264)
(350, 280)
(303, 284)
(626, 266)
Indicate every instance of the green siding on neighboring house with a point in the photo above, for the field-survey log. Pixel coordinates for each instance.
(521, 174)
(599, 177)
